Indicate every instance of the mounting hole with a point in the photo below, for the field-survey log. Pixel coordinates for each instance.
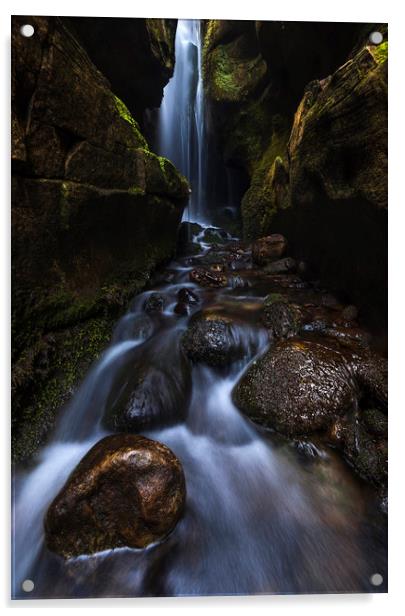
(28, 585)
(376, 579)
(376, 38)
(27, 30)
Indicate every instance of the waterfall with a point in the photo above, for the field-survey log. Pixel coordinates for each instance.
(181, 123)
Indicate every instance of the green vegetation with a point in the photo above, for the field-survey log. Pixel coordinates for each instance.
(126, 115)
(380, 52)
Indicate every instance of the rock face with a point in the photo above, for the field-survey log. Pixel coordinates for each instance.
(93, 212)
(148, 42)
(127, 491)
(299, 386)
(314, 166)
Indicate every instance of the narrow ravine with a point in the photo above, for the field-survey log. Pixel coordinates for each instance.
(264, 513)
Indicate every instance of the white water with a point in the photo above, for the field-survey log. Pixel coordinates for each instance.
(181, 124)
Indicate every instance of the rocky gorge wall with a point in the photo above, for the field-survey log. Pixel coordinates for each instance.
(94, 210)
(304, 121)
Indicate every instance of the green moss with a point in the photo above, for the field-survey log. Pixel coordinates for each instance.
(233, 78)
(272, 298)
(380, 52)
(126, 115)
(262, 200)
(136, 190)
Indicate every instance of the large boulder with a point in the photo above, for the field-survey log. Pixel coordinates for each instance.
(297, 388)
(300, 386)
(127, 491)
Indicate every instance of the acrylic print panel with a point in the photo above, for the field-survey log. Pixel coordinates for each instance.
(199, 227)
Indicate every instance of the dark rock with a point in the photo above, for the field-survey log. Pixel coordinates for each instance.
(155, 303)
(154, 391)
(268, 248)
(297, 388)
(282, 266)
(214, 235)
(211, 339)
(182, 309)
(208, 278)
(281, 317)
(127, 491)
(372, 376)
(365, 450)
(150, 41)
(187, 296)
(350, 313)
(375, 422)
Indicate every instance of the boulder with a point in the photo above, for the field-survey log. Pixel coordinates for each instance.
(128, 490)
(297, 387)
(303, 386)
(212, 339)
(268, 248)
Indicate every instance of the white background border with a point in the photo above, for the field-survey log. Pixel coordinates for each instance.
(305, 10)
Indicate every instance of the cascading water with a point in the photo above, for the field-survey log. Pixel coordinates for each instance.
(260, 516)
(181, 123)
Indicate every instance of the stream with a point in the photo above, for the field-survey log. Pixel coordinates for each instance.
(263, 514)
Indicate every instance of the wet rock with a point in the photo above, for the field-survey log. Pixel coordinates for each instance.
(208, 278)
(296, 388)
(372, 376)
(365, 450)
(268, 248)
(153, 392)
(182, 309)
(281, 317)
(347, 335)
(155, 303)
(214, 235)
(211, 339)
(127, 491)
(187, 296)
(375, 422)
(282, 266)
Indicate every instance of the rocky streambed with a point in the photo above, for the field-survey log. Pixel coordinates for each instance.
(231, 439)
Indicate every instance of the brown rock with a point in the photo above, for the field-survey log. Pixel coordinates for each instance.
(297, 387)
(268, 248)
(208, 278)
(127, 491)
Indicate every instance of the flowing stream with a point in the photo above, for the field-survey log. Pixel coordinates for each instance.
(263, 515)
